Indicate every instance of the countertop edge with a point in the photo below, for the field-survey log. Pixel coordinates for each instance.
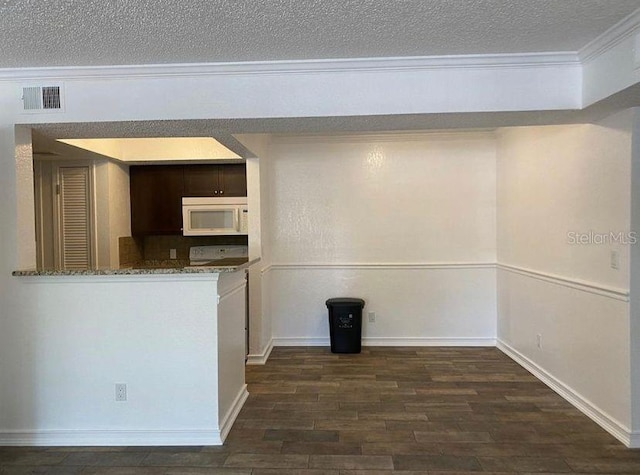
(136, 271)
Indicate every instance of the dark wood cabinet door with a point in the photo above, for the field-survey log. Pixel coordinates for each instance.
(215, 180)
(201, 180)
(156, 199)
(233, 180)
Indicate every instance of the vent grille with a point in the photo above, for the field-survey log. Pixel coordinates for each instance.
(41, 98)
(51, 97)
(31, 98)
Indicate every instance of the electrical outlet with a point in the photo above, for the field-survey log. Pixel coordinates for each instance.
(539, 341)
(173, 254)
(615, 260)
(121, 392)
(372, 317)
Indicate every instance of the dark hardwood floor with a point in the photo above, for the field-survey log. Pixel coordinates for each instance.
(387, 410)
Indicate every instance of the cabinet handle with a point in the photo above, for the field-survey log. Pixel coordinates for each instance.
(221, 192)
(215, 192)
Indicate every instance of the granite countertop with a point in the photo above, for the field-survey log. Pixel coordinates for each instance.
(151, 267)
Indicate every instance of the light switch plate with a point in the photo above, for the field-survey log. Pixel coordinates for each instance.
(615, 260)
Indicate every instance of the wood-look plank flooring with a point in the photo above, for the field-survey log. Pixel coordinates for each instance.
(407, 411)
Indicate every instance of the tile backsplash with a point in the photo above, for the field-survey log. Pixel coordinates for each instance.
(130, 251)
(136, 250)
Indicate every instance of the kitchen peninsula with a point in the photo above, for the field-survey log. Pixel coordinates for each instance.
(174, 336)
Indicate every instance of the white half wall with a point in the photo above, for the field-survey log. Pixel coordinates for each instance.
(71, 339)
(406, 222)
(563, 311)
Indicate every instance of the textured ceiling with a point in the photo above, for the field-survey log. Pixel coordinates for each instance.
(104, 32)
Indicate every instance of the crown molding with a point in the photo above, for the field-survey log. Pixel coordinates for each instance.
(417, 63)
(610, 38)
(607, 40)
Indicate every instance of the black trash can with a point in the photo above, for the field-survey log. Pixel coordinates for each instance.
(345, 324)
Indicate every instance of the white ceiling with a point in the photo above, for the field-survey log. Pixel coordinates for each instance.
(110, 32)
(156, 149)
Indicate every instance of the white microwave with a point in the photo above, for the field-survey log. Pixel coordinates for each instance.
(214, 216)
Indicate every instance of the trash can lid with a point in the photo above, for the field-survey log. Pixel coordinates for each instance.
(344, 301)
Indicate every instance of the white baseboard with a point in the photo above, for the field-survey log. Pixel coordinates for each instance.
(604, 420)
(391, 341)
(261, 358)
(230, 417)
(634, 440)
(301, 341)
(429, 341)
(58, 438)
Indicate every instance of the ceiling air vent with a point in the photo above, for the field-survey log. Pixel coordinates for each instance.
(35, 98)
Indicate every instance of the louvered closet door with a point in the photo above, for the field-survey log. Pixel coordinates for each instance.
(74, 217)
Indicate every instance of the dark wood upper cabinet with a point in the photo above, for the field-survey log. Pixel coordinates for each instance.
(156, 199)
(156, 192)
(233, 180)
(215, 180)
(201, 180)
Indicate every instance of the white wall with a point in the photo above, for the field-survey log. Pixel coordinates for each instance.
(111, 208)
(19, 179)
(231, 387)
(556, 180)
(130, 330)
(634, 284)
(405, 221)
(119, 209)
(266, 330)
(260, 338)
(552, 181)
(102, 208)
